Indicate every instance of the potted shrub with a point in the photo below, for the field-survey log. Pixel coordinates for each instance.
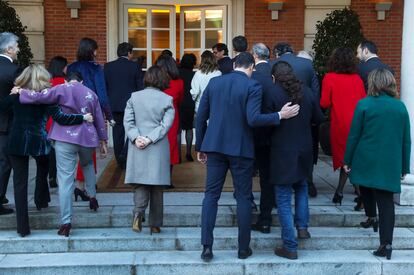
(341, 28)
(10, 22)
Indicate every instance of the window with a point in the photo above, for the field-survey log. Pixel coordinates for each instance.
(151, 29)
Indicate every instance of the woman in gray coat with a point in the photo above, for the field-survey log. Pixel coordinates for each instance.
(149, 115)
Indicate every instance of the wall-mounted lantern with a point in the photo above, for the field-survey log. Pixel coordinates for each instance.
(275, 7)
(74, 6)
(381, 7)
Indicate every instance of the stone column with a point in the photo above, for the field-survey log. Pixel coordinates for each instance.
(407, 93)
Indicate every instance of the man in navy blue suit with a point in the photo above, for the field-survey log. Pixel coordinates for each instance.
(231, 104)
(122, 77)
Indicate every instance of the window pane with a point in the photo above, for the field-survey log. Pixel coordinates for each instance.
(192, 39)
(140, 57)
(192, 19)
(160, 18)
(138, 38)
(213, 37)
(161, 39)
(155, 55)
(214, 18)
(197, 54)
(137, 18)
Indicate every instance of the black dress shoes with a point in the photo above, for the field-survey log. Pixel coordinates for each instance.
(312, 192)
(384, 251)
(4, 201)
(207, 254)
(284, 253)
(303, 234)
(5, 211)
(244, 254)
(261, 228)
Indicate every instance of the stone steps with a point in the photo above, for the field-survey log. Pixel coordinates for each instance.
(225, 262)
(187, 239)
(189, 216)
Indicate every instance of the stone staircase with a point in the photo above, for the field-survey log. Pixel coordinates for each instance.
(103, 242)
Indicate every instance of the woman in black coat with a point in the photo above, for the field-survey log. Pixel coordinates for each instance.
(291, 154)
(28, 137)
(188, 61)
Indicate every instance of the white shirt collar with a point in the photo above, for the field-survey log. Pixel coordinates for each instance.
(8, 57)
(261, 61)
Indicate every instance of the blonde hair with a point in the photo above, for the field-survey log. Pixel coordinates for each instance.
(382, 81)
(35, 77)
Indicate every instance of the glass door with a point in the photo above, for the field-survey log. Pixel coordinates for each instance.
(201, 28)
(150, 29)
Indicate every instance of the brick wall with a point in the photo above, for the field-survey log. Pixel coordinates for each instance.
(386, 34)
(259, 27)
(62, 33)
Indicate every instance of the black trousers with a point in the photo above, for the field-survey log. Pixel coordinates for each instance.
(120, 145)
(5, 166)
(20, 165)
(372, 198)
(267, 195)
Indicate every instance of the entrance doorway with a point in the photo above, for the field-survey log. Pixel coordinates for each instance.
(181, 29)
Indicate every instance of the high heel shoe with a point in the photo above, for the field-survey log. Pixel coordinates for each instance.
(155, 230)
(80, 193)
(337, 199)
(359, 206)
(370, 222)
(93, 204)
(384, 251)
(64, 229)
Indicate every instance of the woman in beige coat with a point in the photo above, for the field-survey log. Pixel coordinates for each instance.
(149, 115)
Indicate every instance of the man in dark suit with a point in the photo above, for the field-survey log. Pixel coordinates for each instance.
(122, 78)
(9, 49)
(232, 105)
(367, 53)
(221, 52)
(304, 71)
(262, 74)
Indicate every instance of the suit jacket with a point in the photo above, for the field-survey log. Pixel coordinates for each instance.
(262, 75)
(28, 135)
(364, 68)
(303, 69)
(225, 65)
(122, 78)
(150, 113)
(264, 68)
(232, 106)
(8, 73)
(291, 151)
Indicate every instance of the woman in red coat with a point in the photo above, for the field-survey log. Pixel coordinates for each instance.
(342, 88)
(176, 91)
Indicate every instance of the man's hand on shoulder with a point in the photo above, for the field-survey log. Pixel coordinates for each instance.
(289, 110)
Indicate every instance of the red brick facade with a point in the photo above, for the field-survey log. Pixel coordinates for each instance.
(290, 27)
(386, 34)
(62, 33)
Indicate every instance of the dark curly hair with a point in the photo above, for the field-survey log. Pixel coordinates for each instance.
(343, 61)
(283, 74)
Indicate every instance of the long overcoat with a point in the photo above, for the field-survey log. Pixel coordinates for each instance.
(148, 113)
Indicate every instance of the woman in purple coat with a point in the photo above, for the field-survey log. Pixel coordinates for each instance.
(72, 141)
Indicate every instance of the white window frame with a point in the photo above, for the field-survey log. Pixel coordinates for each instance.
(149, 29)
(202, 28)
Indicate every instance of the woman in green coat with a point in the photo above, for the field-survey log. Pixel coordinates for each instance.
(378, 153)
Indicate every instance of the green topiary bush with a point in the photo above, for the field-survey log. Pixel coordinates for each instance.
(341, 28)
(10, 22)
